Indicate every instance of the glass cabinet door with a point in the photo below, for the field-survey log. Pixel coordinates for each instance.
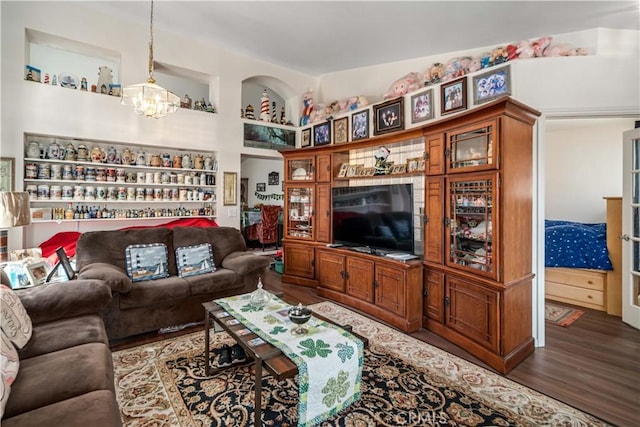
(473, 148)
(300, 169)
(299, 212)
(471, 222)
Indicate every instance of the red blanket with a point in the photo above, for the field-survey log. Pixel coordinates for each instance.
(68, 239)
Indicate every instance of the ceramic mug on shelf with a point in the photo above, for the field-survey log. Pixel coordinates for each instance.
(33, 149)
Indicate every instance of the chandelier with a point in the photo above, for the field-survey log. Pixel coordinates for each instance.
(149, 99)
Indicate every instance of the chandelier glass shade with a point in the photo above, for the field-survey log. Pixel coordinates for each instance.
(149, 99)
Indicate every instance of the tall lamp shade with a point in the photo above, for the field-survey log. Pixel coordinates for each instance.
(14, 212)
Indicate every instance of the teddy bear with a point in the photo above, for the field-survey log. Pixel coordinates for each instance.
(403, 85)
(307, 108)
(556, 50)
(498, 56)
(475, 64)
(435, 73)
(512, 52)
(540, 45)
(524, 49)
(578, 51)
(453, 69)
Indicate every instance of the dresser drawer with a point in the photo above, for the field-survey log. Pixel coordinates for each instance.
(575, 295)
(582, 278)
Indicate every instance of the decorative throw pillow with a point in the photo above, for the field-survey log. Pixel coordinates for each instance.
(9, 364)
(147, 262)
(194, 260)
(14, 320)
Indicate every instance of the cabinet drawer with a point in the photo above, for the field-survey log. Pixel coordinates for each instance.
(588, 279)
(575, 295)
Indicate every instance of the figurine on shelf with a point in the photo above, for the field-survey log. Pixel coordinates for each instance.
(307, 108)
(186, 102)
(274, 119)
(241, 113)
(381, 166)
(249, 112)
(264, 107)
(83, 84)
(47, 79)
(209, 108)
(283, 119)
(54, 80)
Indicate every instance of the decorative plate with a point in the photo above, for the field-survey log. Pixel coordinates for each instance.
(299, 174)
(68, 80)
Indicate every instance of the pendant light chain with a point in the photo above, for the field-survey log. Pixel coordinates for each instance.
(151, 79)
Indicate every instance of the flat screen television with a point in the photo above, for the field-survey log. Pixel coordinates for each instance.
(374, 216)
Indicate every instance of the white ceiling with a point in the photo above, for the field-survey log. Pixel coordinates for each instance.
(318, 37)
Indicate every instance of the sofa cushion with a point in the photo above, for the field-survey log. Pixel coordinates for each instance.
(222, 280)
(147, 262)
(9, 365)
(96, 408)
(60, 375)
(194, 260)
(109, 246)
(14, 320)
(112, 275)
(154, 292)
(245, 262)
(224, 240)
(64, 333)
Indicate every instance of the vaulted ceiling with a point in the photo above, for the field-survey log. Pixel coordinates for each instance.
(318, 37)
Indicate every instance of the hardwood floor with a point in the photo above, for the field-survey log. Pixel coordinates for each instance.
(592, 365)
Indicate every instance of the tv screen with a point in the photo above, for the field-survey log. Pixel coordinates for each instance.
(375, 216)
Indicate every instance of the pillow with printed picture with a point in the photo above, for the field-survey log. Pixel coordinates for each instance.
(195, 260)
(147, 262)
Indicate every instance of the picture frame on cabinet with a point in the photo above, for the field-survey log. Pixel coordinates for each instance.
(7, 173)
(388, 116)
(261, 186)
(343, 170)
(491, 85)
(412, 164)
(305, 138)
(453, 96)
(422, 106)
(360, 125)
(38, 272)
(322, 134)
(341, 130)
(230, 184)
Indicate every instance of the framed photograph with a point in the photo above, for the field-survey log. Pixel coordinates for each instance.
(7, 173)
(421, 164)
(322, 134)
(341, 130)
(230, 184)
(412, 164)
(388, 116)
(453, 96)
(274, 178)
(360, 125)
(491, 85)
(306, 138)
(38, 272)
(261, 186)
(343, 170)
(422, 106)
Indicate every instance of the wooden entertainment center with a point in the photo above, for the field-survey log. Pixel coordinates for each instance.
(473, 285)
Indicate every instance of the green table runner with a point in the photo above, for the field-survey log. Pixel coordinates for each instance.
(329, 359)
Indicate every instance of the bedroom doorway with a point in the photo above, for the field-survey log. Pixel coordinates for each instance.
(631, 229)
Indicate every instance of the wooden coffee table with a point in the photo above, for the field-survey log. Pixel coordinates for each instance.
(264, 355)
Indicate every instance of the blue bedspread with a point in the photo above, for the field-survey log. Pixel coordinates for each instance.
(576, 245)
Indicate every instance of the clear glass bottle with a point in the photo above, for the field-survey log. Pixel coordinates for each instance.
(260, 297)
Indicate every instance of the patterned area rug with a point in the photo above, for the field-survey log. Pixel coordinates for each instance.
(561, 315)
(405, 383)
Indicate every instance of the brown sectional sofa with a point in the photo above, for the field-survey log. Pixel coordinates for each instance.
(146, 306)
(66, 370)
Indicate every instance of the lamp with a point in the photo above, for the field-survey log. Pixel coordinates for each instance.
(148, 98)
(14, 212)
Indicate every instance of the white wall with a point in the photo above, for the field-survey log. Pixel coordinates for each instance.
(38, 108)
(257, 171)
(583, 162)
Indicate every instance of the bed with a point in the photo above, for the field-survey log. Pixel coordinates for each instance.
(583, 261)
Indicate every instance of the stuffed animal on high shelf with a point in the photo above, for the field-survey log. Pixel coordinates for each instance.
(307, 107)
(403, 85)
